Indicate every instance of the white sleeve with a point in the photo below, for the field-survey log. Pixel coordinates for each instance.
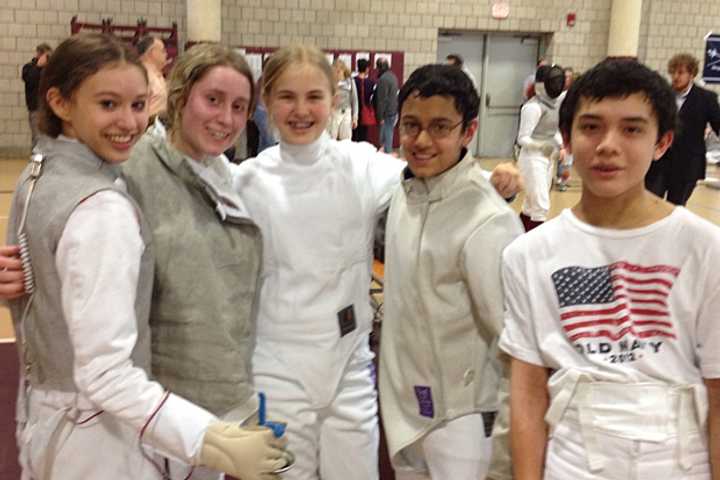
(529, 118)
(98, 261)
(482, 258)
(708, 334)
(384, 172)
(518, 338)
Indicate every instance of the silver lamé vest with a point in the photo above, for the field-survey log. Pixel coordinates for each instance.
(207, 276)
(547, 127)
(71, 172)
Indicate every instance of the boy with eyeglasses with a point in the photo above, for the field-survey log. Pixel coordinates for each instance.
(446, 231)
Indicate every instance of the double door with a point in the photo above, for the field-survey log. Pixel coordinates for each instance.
(500, 63)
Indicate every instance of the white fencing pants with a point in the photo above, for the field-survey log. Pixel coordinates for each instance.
(536, 172)
(337, 441)
(566, 457)
(457, 450)
(625, 431)
(340, 126)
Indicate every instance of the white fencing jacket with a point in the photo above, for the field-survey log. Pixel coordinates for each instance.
(316, 205)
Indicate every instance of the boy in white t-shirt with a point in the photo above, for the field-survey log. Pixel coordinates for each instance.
(615, 341)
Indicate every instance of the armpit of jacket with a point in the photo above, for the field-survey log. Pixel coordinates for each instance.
(207, 274)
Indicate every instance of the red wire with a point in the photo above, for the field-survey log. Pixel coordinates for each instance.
(142, 433)
(82, 422)
(164, 474)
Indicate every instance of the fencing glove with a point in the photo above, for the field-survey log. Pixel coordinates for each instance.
(248, 453)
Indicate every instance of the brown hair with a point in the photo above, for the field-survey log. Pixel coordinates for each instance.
(684, 60)
(43, 48)
(192, 66)
(144, 44)
(282, 59)
(74, 60)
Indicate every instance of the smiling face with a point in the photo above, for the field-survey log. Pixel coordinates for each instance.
(215, 113)
(107, 112)
(300, 103)
(428, 156)
(613, 141)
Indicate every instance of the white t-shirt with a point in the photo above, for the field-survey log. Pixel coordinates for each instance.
(626, 306)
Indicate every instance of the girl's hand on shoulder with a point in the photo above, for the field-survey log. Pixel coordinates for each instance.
(11, 274)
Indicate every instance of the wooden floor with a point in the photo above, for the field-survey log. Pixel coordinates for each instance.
(705, 202)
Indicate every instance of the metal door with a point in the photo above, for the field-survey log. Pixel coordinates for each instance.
(508, 60)
(470, 46)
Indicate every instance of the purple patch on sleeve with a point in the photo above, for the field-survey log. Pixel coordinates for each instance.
(425, 401)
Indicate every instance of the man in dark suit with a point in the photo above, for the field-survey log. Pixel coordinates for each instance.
(677, 172)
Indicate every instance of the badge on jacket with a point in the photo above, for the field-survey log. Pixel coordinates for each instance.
(425, 401)
(346, 320)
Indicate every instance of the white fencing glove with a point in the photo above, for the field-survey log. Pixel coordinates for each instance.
(248, 453)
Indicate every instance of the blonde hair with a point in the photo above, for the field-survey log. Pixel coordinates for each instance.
(192, 66)
(340, 65)
(285, 57)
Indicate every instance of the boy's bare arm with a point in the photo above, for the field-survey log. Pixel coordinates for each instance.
(713, 389)
(528, 432)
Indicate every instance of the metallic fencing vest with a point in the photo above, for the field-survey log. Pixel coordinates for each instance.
(207, 275)
(71, 172)
(547, 127)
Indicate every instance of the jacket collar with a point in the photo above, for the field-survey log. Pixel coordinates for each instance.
(303, 154)
(173, 159)
(437, 187)
(77, 152)
(687, 96)
(228, 205)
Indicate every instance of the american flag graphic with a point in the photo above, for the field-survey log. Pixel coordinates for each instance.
(615, 300)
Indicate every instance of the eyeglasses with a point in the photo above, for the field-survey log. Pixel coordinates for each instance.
(436, 130)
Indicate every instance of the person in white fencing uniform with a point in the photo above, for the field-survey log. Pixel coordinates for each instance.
(344, 117)
(445, 233)
(540, 141)
(611, 308)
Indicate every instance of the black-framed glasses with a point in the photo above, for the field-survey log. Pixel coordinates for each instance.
(436, 130)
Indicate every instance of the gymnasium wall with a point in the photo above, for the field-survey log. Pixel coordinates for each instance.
(411, 26)
(26, 23)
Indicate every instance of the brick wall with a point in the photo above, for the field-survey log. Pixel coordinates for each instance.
(672, 26)
(26, 23)
(411, 26)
